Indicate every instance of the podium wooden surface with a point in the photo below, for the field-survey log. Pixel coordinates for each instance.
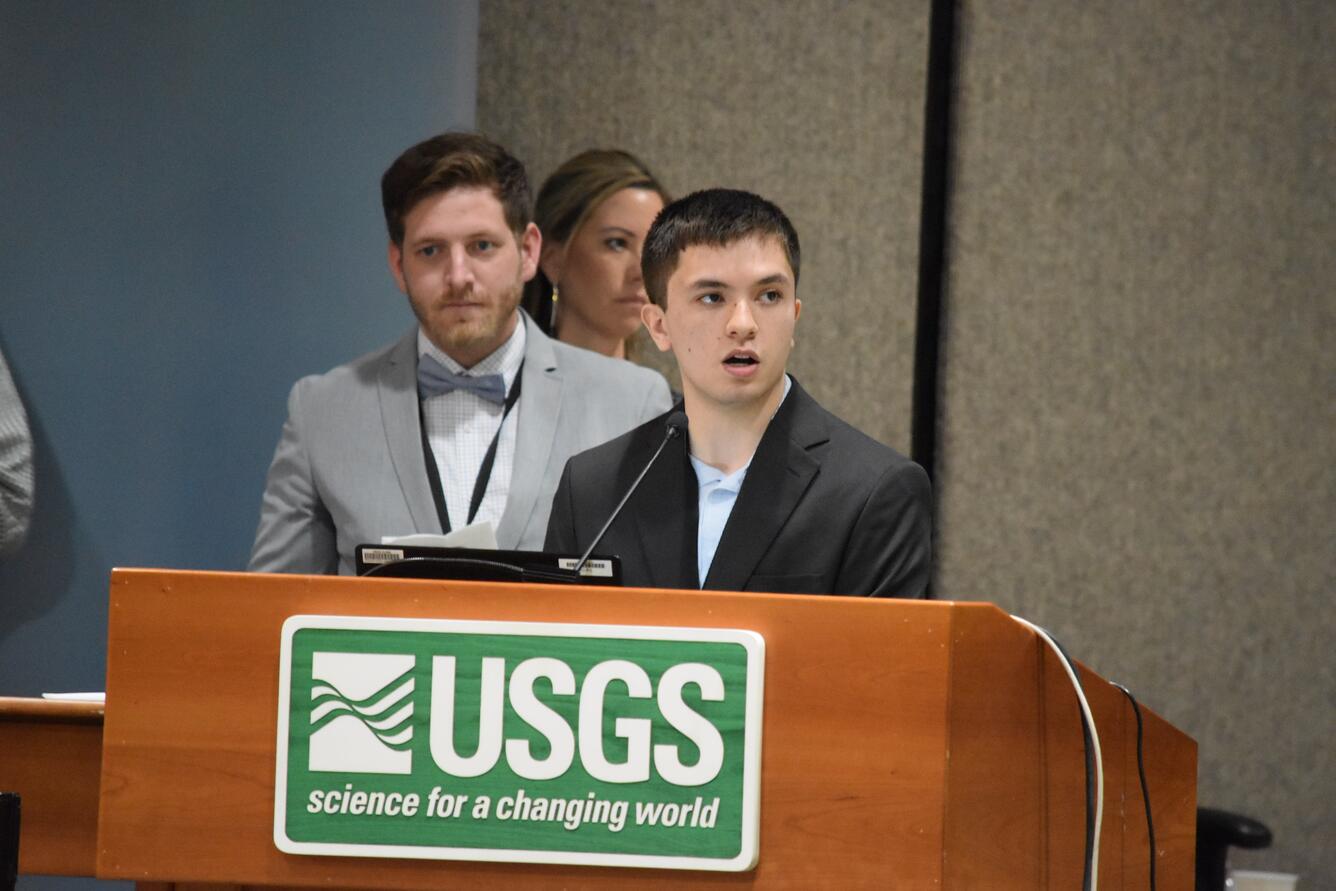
(906, 744)
(50, 753)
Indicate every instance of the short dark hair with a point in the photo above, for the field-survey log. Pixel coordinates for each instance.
(713, 217)
(449, 161)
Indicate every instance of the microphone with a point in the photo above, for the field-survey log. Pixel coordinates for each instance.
(677, 425)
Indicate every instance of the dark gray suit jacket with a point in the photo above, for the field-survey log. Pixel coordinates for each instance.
(349, 467)
(823, 509)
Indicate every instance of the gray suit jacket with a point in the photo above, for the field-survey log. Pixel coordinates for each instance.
(349, 466)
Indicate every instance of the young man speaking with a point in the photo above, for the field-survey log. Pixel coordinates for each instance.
(767, 491)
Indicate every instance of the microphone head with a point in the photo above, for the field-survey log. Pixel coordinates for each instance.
(677, 423)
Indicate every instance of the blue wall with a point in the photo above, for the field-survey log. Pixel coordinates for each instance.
(190, 221)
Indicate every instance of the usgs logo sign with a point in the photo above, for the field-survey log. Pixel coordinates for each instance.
(532, 742)
(558, 738)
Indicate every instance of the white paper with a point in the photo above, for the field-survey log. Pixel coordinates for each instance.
(76, 697)
(477, 535)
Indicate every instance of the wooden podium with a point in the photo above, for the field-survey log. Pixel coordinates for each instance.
(906, 744)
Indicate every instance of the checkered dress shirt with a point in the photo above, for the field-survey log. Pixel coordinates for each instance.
(460, 427)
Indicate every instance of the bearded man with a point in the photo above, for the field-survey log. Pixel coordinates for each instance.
(472, 414)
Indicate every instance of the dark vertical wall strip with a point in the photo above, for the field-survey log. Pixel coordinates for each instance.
(932, 233)
(932, 229)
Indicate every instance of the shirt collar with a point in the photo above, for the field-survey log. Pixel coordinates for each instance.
(505, 360)
(708, 474)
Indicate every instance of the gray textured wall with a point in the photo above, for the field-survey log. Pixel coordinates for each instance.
(816, 105)
(1139, 410)
(1138, 385)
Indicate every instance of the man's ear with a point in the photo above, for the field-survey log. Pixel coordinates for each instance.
(656, 322)
(551, 259)
(396, 260)
(797, 308)
(531, 246)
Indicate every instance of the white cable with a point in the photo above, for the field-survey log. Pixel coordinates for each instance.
(1094, 739)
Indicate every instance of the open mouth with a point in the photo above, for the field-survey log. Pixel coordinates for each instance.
(741, 360)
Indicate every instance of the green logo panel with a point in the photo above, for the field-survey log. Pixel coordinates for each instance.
(610, 745)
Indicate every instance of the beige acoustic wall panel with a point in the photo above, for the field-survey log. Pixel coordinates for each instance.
(1139, 423)
(815, 105)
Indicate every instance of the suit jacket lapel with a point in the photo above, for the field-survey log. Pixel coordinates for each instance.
(781, 470)
(538, 409)
(400, 413)
(665, 508)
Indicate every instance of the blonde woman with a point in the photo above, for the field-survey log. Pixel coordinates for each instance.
(594, 211)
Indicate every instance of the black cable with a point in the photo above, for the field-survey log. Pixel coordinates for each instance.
(1089, 743)
(447, 568)
(1145, 787)
(473, 569)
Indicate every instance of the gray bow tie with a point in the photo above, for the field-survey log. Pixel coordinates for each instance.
(434, 379)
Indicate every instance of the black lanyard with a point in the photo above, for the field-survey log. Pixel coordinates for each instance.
(484, 472)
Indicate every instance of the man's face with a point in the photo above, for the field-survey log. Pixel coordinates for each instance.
(729, 319)
(463, 270)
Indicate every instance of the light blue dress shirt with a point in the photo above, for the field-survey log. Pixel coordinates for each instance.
(718, 494)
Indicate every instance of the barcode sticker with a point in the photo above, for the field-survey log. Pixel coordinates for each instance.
(597, 568)
(381, 555)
